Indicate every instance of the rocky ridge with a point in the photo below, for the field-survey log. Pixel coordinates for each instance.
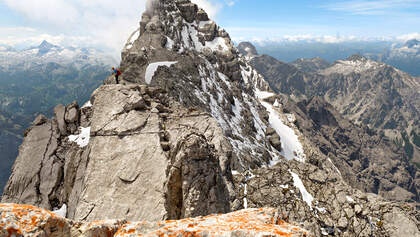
(201, 134)
(311, 64)
(359, 90)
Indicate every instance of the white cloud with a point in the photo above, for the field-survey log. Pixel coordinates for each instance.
(104, 22)
(409, 37)
(231, 3)
(57, 11)
(212, 8)
(309, 38)
(376, 7)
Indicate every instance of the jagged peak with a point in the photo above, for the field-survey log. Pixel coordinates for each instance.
(183, 26)
(356, 57)
(412, 43)
(247, 49)
(46, 45)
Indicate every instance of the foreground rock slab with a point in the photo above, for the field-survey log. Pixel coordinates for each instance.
(26, 220)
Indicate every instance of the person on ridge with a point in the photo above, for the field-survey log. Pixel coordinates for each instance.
(117, 73)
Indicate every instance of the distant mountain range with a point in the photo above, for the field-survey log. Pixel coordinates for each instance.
(36, 79)
(364, 91)
(402, 55)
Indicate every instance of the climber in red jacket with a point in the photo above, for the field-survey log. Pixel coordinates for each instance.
(117, 73)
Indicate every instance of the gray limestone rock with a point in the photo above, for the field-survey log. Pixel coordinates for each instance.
(36, 170)
(59, 113)
(39, 120)
(72, 113)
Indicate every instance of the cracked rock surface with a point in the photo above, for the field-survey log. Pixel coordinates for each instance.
(156, 164)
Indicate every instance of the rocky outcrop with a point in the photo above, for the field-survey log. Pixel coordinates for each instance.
(330, 207)
(134, 133)
(23, 220)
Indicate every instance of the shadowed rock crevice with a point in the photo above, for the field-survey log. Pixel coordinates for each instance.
(195, 186)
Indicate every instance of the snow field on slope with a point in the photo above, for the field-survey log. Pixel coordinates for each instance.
(290, 144)
(83, 138)
(151, 69)
(297, 182)
(190, 32)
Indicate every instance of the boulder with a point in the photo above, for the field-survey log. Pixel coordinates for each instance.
(72, 114)
(59, 112)
(275, 141)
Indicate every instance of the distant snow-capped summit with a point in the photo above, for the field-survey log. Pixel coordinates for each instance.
(11, 59)
(353, 64)
(414, 43)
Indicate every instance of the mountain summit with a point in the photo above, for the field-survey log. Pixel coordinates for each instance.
(192, 130)
(45, 47)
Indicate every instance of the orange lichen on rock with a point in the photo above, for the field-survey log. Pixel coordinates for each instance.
(27, 220)
(251, 222)
(24, 220)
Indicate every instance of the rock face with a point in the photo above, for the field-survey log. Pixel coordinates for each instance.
(310, 65)
(371, 96)
(335, 209)
(130, 145)
(293, 82)
(184, 135)
(23, 220)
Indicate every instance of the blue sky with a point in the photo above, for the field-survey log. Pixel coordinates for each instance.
(107, 23)
(366, 19)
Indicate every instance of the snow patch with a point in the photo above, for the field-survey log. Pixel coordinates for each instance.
(169, 43)
(349, 199)
(263, 94)
(348, 66)
(218, 43)
(190, 39)
(151, 69)
(87, 104)
(297, 182)
(321, 209)
(62, 211)
(290, 144)
(276, 104)
(245, 200)
(83, 138)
